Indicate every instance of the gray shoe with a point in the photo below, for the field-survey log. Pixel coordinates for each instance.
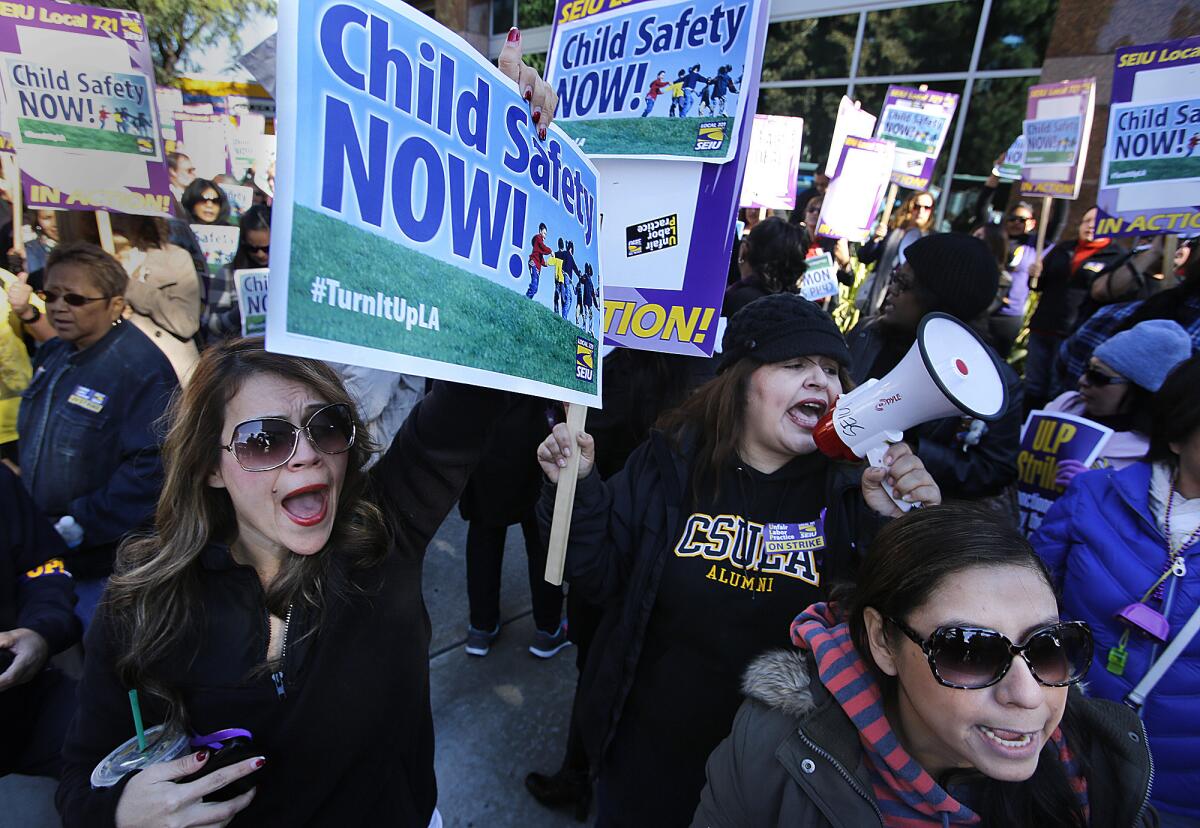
(547, 645)
(479, 642)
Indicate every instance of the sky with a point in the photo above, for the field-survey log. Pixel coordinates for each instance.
(214, 62)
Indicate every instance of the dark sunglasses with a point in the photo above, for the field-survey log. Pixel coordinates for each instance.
(268, 443)
(971, 658)
(1096, 379)
(72, 299)
(1012, 217)
(258, 248)
(209, 199)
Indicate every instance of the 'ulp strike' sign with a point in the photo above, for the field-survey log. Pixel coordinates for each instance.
(421, 226)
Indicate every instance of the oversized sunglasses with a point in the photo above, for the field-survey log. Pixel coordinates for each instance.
(209, 199)
(73, 299)
(971, 658)
(1097, 379)
(269, 442)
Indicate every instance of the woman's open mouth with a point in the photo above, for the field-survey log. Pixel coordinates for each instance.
(808, 413)
(308, 505)
(1012, 744)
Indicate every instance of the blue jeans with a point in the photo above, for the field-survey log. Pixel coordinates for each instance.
(88, 591)
(564, 297)
(689, 95)
(649, 106)
(535, 273)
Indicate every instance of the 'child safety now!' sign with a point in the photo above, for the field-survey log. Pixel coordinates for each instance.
(421, 225)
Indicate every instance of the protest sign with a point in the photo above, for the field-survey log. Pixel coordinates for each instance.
(252, 299)
(205, 139)
(78, 87)
(773, 162)
(413, 221)
(1014, 158)
(247, 144)
(916, 121)
(856, 190)
(850, 121)
(654, 79)
(670, 300)
(1150, 177)
(1058, 119)
(1046, 438)
(169, 101)
(218, 243)
(820, 278)
(1052, 141)
(240, 199)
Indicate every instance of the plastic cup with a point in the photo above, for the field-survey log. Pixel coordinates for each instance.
(160, 747)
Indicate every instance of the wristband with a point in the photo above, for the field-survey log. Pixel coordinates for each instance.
(37, 314)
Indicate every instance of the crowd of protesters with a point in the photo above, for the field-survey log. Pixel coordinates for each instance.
(239, 536)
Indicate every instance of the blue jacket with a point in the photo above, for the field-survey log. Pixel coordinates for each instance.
(89, 444)
(1104, 549)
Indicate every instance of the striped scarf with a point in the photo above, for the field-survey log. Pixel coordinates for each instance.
(907, 796)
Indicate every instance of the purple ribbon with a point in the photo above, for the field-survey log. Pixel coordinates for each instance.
(214, 740)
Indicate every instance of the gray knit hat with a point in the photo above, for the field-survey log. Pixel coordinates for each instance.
(1146, 353)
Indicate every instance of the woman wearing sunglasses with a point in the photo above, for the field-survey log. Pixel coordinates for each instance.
(88, 446)
(206, 203)
(280, 593)
(937, 692)
(1124, 548)
(1116, 388)
(223, 313)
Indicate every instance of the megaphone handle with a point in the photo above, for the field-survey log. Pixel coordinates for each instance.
(875, 458)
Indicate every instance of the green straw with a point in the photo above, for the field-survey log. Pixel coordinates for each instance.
(137, 720)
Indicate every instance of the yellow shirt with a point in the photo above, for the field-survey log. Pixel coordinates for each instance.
(558, 271)
(15, 368)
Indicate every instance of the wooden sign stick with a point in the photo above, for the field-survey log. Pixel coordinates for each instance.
(564, 499)
(104, 226)
(12, 177)
(888, 201)
(1041, 236)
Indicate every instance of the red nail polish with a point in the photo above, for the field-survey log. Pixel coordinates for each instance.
(537, 114)
(514, 35)
(201, 756)
(259, 762)
(542, 133)
(528, 94)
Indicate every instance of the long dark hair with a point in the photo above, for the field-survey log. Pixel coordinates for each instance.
(1175, 411)
(909, 559)
(775, 252)
(257, 217)
(195, 190)
(153, 599)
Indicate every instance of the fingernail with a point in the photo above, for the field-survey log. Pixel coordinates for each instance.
(514, 35)
(537, 114)
(529, 93)
(542, 133)
(562, 464)
(259, 762)
(201, 756)
(567, 451)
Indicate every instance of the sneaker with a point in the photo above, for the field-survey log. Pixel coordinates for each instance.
(479, 642)
(546, 645)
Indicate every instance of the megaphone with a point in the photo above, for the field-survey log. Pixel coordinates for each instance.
(947, 371)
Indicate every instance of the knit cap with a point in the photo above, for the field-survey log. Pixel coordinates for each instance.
(1146, 353)
(958, 271)
(782, 326)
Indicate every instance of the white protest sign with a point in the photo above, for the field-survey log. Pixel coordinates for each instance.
(856, 189)
(850, 121)
(774, 159)
(219, 244)
(820, 278)
(252, 299)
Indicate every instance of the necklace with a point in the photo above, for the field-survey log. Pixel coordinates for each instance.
(1173, 553)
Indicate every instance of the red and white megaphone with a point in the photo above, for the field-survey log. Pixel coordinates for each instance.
(948, 370)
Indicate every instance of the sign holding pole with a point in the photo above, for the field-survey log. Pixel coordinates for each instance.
(564, 499)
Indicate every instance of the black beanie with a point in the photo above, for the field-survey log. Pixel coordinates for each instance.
(781, 326)
(957, 271)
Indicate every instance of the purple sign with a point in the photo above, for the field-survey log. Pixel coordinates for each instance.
(667, 231)
(916, 121)
(856, 190)
(1150, 178)
(79, 102)
(1053, 113)
(1047, 438)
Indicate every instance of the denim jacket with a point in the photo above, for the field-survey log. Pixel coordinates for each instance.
(88, 442)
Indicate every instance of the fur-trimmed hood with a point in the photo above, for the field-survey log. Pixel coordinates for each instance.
(781, 679)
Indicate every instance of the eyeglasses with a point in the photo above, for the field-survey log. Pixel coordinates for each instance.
(925, 208)
(971, 658)
(270, 442)
(258, 248)
(1013, 217)
(1095, 378)
(209, 199)
(72, 299)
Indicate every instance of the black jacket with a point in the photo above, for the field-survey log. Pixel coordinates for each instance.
(622, 531)
(1066, 294)
(794, 758)
(961, 469)
(350, 742)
